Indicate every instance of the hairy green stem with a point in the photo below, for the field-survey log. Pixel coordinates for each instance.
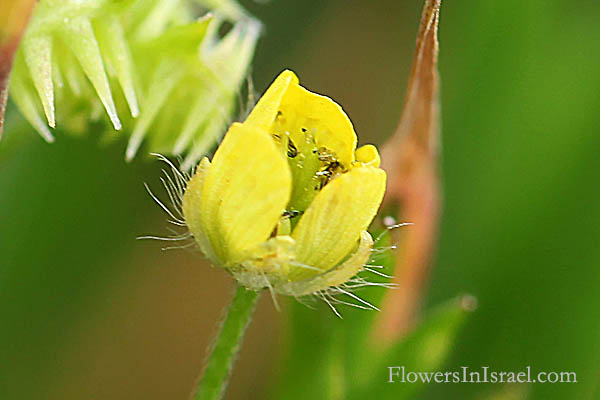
(226, 345)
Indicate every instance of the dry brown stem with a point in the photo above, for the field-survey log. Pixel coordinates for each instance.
(410, 158)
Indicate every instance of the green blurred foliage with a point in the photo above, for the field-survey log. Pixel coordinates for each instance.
(520, 93)
(522, 220)
(68, 213)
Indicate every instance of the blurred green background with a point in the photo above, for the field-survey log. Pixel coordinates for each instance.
(88, 312)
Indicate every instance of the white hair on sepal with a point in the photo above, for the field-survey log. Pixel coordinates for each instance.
(272, 292)
(181, 247)
(245, 105)
(305, 266)
(390, 224)
(377, 250)
(359, 281)
(174, 220)
(378, 273)
(308, 301)
(331, 295)
(177, 182)
(325, 297)
(174, 181)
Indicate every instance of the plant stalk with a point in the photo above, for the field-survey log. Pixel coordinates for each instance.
(226, 345)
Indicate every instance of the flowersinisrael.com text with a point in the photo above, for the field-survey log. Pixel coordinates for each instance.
(482, 375)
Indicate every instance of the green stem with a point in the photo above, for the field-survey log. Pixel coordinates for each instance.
(226, 345)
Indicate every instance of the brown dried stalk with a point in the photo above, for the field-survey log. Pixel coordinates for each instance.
(410, 158)
(14, 16)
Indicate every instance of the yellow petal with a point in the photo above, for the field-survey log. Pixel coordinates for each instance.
(264, 112)
(245, 192)
(368, 155)
(191, 208)
(337, 276)
(305, 113)
(330, 228)
(287, 109)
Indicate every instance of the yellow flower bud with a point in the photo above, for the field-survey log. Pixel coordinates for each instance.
(287, 199)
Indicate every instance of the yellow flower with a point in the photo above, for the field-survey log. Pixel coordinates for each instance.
(287, 199)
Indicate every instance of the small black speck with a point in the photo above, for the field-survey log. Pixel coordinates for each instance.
(292, 150)
(292, 213)
(303, 129)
